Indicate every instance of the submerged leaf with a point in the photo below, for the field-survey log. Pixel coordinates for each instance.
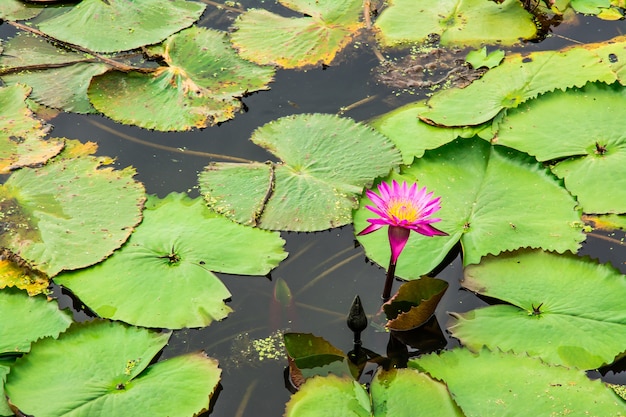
(468, 22)
(485, 194)
(163, 276)
(26, 319)
(524, 76)
(326, 28)
(107, 366)
(518, 386)
(585, 329)
(326, 161)
(120, 25)
(200, 85)
(53, 216)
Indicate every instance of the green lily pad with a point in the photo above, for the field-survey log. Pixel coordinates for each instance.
(59, 77)
(330, 396)
(461, 23)
(585, 328)
(593, 138)
(53, 216)
(5, 368)
(407, 393)
(163, 276)
(326, 161)
(414, 303)
(107, 366)
(486, 213)
(27, 319)
(21, 133)
(200, 85)
(326, 28)
(518, 386)
(479, 58)
(17, 10)
(120, 25)
(524, 76)
(412, 136)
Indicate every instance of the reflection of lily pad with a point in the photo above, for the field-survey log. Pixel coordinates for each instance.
(522, 77)
(21, 133)
(326, 162)
(593, 137)
(326, 28)
(485, 195)
(103, 368)
(162, 277)
(200, 86)
(70, 213)
(62, 78)
(512, 385)
(458, 22)
(120, 25)
(586, 328)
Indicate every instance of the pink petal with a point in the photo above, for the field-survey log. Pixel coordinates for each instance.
(369, 229)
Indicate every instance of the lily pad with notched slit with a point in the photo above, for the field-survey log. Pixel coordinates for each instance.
(326, 161)
(200, 84)
(70, 213)
(163, 276)
(292, 42)
(119, 25)
(104, 368)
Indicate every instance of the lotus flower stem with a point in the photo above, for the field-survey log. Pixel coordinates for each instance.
(391, 274)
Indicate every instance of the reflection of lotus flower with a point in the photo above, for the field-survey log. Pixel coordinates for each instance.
(403, 209)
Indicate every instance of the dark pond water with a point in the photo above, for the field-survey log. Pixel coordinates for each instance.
(325, 270)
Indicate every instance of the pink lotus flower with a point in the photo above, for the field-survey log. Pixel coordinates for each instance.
(403, 209)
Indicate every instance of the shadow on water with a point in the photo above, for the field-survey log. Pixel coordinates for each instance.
(325, 270)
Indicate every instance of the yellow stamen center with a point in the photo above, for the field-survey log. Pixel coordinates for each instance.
(403, 210)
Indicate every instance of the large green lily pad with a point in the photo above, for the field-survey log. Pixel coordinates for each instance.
(585, 328)
(461, 23)
(70, 213)
(524, 76)
(59, 77)
(21, 134)
(103, 368)
(485, 194)
(326, 161)
(291, 42)
(497, 384)
(27, 319)
(593, 138)
(163, 276)
(120, 25)
(200, 85)
(17, 10)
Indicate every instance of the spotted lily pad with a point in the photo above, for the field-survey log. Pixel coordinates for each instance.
(163, 276)
(592, 140)
(326, 161)
(457, 22)
(518, 386)
(326, 28)
(524, 76)
(585, 329)
(53, 217)
(120, 25)
(199, 86)
(107, 366)
(485, 192)
(15, 274)
(59, 77)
